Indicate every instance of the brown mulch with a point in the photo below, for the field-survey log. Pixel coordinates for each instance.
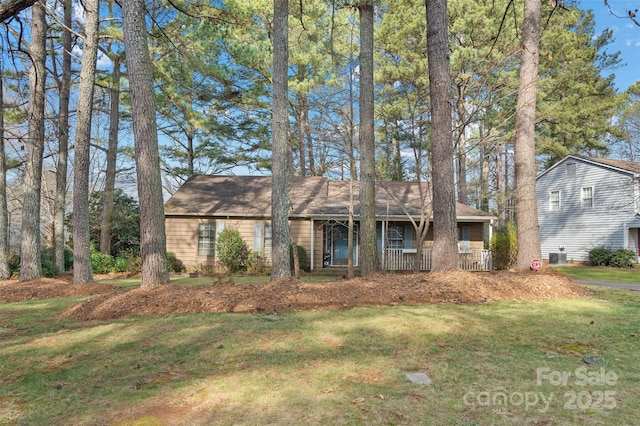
(49, 288)
(286, 295)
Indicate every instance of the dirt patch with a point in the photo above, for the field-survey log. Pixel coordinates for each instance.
(286, 295)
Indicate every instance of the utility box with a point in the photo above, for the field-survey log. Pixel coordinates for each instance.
(557, 258)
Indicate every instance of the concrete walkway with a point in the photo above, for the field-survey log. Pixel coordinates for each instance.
(634, 287)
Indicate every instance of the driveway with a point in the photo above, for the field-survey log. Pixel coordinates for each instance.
(634, 287)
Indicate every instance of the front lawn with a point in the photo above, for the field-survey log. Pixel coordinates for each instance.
(601, 273)
(548, 362)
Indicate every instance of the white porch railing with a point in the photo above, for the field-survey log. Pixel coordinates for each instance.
(404, 260)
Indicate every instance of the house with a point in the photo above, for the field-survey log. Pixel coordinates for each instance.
(204, 205)
(585, 203)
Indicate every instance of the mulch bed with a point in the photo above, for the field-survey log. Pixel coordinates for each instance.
(288, 295)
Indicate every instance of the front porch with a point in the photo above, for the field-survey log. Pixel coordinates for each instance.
(404, 260)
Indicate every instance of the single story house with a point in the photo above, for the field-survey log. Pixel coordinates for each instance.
(585, 203)
(319, 212)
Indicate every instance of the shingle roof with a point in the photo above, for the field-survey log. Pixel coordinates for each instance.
(624, 165)
(250, 196)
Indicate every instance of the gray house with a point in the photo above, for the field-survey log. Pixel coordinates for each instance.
(588, 202)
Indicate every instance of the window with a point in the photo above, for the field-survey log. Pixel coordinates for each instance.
(262, 238)
(394, 237)
(554, 200)
(587, 197)
(267, 240)
(464, 239)
(206, 239)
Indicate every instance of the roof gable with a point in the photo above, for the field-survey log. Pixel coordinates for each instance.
(618, 165)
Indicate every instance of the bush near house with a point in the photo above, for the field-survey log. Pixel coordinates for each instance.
(302, 258)
(614, 257)
(256, 263)
(504, 246)
(174, 264)
(231, 249)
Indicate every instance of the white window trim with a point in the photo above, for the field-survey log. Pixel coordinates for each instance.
(211, 239)
(551, 201)
(583, 199)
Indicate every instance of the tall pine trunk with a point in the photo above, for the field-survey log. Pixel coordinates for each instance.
(82, 272)
(369, 245)
(5, 273)
(153, 245)
(445, 249)
(280, 261)
(63, 141)
(112, 155)
(30, 250)
(525, 161)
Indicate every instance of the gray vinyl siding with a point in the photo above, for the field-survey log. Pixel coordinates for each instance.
(579, 229)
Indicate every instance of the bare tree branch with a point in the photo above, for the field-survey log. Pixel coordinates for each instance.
(10, 8)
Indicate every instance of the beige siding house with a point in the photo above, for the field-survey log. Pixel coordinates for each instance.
(319, 213)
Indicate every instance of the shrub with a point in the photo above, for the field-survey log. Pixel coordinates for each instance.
(14, 264)
(68, 259)
(623, 258)
(504, 246)
(231, 249)
(302, 258)
(101, 263)
(120, 264)
(256, 263)
(616, 258)
(174, 264)
(49, 268)
(599, 256)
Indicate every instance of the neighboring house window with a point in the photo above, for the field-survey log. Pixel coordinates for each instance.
(464, 239)
(587, 197)
(554, 201)
(571, 169)
(206, 239)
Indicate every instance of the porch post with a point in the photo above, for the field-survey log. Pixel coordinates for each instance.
(312, 246)
(383, 229)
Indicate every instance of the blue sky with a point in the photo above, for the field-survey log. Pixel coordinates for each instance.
(626, 34)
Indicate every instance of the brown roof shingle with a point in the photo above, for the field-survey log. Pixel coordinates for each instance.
(250, 196)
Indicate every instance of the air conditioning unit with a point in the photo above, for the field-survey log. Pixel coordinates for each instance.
(557, 258)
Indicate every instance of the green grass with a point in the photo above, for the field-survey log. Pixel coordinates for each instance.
(619, 275)
(326, 367)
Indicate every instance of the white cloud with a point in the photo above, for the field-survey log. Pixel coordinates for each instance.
(104, 62)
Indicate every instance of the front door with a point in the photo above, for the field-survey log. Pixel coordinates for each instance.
(338, 245)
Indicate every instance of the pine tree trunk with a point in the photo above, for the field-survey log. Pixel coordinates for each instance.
(5, 273)
(302, 147)
(309, 138)
(30, 250)
(82, 272)
(368, 246)
(280, 261)
(112, 155)
(445, 250)
(484, 175)
(153, 246)
(526, 205)
(63, 141)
